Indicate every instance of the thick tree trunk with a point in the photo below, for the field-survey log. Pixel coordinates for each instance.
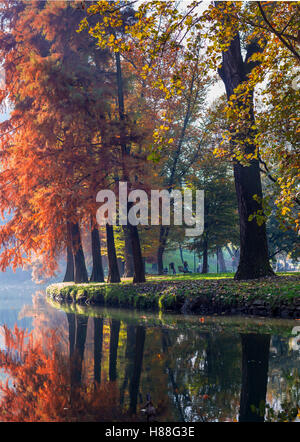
(113, 269)
(221, 261)
(69, 275)
(97, 272)
(80, 272)
(255, 363)
(129, 264)
(139, 268)
(254, 256)
(205, 258)
(254, 261)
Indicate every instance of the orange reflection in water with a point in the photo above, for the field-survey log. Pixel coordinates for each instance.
(39, 384)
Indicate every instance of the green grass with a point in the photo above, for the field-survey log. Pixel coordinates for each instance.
(189, 276)
(200, 276)
(173, 292)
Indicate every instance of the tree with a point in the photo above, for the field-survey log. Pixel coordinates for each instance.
(220, 207)
(282, 240)
(59, 110)
(221, 24)
(97, 272)
(113, 269)
(112, 34)
(254, 257)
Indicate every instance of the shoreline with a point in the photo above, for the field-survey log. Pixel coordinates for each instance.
(270, 297)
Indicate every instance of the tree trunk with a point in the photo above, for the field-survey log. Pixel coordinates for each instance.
(80, 272)
(129, 264)
(255, 363)
(139, 272)
(221, 261)
(139, 268)
(113, 270)
(97, 272)
(254, 261)
(69, 275)
(205, 257)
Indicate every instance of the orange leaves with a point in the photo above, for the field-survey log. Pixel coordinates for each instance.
(53, 162)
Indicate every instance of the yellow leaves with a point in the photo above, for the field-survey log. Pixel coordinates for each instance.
(285, 210)
(111, 39)
(189, 20)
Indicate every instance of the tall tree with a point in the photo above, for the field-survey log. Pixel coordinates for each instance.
(254, 256)
(220, 207)
(113, 269)
(271, 35)
(69, 275)
(59, 110)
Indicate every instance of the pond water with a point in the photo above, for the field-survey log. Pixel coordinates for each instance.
(90, 364)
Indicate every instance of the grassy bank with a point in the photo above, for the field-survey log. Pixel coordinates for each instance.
(213, 293)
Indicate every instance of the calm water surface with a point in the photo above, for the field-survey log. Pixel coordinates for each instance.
(102, 364)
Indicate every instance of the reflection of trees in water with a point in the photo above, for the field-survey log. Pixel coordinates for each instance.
(134, 385)
(43, 388)
(255, 364)
(283, 394)
(77, 345)
(204, 374)
(113, 349)
(98, 342)
(195, 375)
(134, 354)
